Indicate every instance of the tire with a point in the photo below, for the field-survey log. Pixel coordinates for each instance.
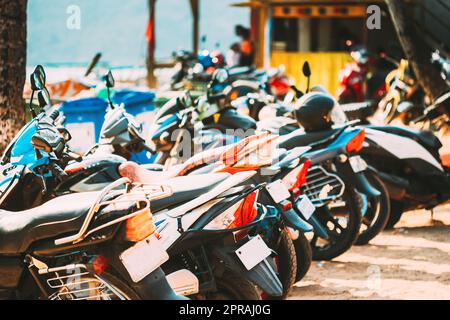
(342, 241)
(377, 215)
(304, 256)
(233, 286)
(396, 214)
(286, 263)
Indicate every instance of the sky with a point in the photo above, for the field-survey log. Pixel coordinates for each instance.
(72, 31)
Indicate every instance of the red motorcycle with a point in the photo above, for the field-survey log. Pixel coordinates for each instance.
(357, 82)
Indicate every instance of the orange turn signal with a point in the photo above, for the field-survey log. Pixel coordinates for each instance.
(355, 145)
(140, 226)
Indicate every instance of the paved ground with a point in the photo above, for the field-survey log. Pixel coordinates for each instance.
(410, 262)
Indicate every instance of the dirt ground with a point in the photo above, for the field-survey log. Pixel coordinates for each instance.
(410, 262)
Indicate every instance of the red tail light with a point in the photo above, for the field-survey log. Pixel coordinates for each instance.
(247, 212)
(355, 145)
(295, 179)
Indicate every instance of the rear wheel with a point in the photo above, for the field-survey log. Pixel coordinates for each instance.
(378, 212)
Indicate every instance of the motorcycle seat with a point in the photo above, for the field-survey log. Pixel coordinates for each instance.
(187, 188)
(299, 138)
(18, 230)
(426, 138)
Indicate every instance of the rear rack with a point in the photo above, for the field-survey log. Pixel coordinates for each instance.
(140, 193)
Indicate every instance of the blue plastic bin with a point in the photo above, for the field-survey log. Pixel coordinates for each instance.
(84, 117)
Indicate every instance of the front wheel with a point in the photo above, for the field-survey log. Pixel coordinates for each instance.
(304, 256)
(378, 212)
(286, 262)
(342, 219)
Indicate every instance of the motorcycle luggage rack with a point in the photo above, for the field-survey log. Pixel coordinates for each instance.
(322, 186)
(140, 193)
(68, 283)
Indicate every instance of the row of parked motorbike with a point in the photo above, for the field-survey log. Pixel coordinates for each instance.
(243, 192)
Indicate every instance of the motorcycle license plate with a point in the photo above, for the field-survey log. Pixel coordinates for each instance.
(358, 164)
(143, 258)
(278, 191)
(253, 252)
(305, 206)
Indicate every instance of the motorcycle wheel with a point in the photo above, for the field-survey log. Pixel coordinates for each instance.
(396, 214)
(377, 215)
(342, 224)
(304, 256)
(286, 262)
(233, 286)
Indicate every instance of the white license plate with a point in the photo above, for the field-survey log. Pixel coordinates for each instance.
(253, 252)
(278, 191)
(305, 206)
(358, 164)
(143, 258)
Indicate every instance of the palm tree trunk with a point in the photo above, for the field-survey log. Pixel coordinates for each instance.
(13, 41)
(416, 50)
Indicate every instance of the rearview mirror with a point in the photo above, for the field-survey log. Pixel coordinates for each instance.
(44, 98)
(306, 69)
(38, 78)
(110, 82)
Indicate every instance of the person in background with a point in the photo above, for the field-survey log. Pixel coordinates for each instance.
(234, 55)
(247, 50)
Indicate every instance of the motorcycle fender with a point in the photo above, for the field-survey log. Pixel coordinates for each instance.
(293, 220)
(156, 287)
(263, 274)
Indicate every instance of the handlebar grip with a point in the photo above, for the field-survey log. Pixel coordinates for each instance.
(59, 170)
(54, 115)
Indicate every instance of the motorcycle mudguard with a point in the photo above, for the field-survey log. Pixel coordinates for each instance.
(358, 180)
(293, 220)
(156, 287)
(263, 274)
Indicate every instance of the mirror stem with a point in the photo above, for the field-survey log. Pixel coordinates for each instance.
(109, 98)
(33, 113)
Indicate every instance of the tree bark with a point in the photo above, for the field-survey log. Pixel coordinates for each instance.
(13, 41)
(416, 50)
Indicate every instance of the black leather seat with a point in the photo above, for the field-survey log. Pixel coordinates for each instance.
(426, 138)
(18, 230)
(187, 188)
(299, 138)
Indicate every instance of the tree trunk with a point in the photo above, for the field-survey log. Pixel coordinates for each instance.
(416, 50)
(13, 41)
